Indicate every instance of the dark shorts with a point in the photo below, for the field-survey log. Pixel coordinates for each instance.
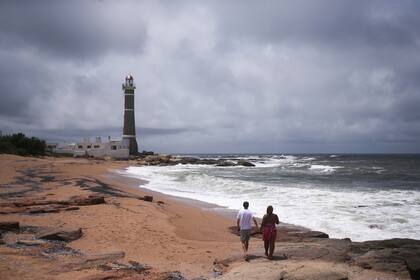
(245, 234)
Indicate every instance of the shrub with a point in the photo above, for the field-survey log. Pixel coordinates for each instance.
(19, 144)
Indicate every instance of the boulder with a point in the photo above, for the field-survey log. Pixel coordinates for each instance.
(60, 234)
(315, 234)
(243, 162)
(9, 226)
(148, 198)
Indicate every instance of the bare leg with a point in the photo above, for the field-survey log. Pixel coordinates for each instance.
(266, 243)
(272, 245)
(244, 247)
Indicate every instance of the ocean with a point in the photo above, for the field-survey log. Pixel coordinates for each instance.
(362, 197)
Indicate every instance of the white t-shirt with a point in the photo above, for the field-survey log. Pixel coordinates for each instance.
(245, 219)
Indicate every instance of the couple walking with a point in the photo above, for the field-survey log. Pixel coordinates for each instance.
(268, 229)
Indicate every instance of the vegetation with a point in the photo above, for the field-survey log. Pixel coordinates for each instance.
(19, 144)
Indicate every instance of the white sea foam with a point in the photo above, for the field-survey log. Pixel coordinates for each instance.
(358, 214)
(323, 168)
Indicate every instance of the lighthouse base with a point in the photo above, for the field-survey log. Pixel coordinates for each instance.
(132, 145)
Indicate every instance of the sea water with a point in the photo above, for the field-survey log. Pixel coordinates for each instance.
(363, 197)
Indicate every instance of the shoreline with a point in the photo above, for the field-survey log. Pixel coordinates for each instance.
(113, 232)
(203, 205)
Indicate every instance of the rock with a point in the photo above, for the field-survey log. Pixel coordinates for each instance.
(9, 226)
(71, 208)
(174, 275)
(89, 200)
(61, 234)
(160, 202)
(397, 255)
(225, 163)
(158, 160)
(413, 266)
(99, 259)
(30, 242)
(148, 198)
(138, 267)
(315, 234)
(243, 162)
(189, 160)
(46, 209)
(207, 161)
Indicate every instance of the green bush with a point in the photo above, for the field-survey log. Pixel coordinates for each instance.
(19, 144)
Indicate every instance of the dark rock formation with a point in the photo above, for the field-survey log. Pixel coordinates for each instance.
(174, 275)
(225, 163)
(89, 200)
(243, 162)
(396, 255)
(9, 226)
(148, 198)
(60, 234)
(189, 160)
(315, 234)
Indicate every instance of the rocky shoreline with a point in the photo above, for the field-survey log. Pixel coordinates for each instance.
(167, 160)
(60, 219)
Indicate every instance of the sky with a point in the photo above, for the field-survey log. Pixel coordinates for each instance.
(216, 76)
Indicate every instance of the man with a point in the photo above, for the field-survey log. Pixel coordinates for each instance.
(244, 226)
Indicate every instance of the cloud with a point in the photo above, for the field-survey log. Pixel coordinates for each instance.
(237, 76)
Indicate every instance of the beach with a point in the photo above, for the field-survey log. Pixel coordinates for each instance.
(117, 230)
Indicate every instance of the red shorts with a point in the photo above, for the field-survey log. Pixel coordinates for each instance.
(269, 232)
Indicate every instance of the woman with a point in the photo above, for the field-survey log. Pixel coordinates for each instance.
(269, 230)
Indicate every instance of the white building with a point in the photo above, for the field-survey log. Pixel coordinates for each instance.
(98, 149)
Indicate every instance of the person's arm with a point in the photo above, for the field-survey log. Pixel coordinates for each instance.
(255, 221)
(262, 224)
(277, 220)
(237, 223)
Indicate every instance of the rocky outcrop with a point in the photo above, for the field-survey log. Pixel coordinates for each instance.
(148, 198)
(9, 226)
(156, 160)
(246, 163)
(395, 255)
(225, 163)
(60, 234)
(314, 234)
(165, 160)
(89, 200)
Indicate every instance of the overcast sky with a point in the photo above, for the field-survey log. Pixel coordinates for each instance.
(216, 76)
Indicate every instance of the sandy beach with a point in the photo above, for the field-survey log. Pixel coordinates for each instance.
(114, 231)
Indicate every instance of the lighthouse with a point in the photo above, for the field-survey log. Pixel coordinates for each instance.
(129, 131)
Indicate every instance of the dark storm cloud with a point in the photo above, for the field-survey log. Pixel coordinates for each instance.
(216, 76)
(336, 23)
(69, 29)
